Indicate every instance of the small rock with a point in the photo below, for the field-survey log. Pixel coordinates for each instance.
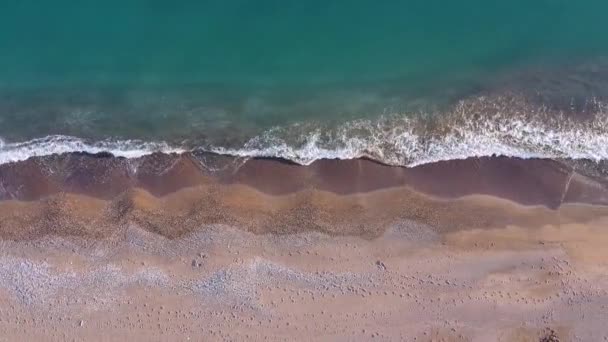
(549, 336)
(381, 265)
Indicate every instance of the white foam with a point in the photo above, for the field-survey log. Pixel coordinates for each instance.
(60, 144)
(402, 140)
(405, 140)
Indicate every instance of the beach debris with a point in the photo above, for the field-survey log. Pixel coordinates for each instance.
(549, 336)
(196, 263)
(381, 265)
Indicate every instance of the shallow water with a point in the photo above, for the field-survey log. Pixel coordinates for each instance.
(223, 75)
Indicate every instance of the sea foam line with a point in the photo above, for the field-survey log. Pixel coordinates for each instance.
(394, 146)
(403, 143)
(477, 128)
(60, 144)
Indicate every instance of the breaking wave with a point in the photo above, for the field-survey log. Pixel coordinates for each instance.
(472, 129)
(60, 144)
(476, 128)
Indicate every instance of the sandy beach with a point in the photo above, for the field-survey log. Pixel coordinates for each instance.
(304, 171)
(491, 249)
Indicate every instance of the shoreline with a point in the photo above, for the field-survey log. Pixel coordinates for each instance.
(525, 181)
(95, 196)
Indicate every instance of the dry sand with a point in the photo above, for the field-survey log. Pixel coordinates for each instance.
(411, 282)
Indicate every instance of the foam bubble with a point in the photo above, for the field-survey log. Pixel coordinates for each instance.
(60, 144)
(479, 128)
(476, 128)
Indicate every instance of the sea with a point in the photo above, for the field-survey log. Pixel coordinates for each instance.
(403, 82)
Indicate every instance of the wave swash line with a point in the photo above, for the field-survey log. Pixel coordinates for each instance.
(394, 140)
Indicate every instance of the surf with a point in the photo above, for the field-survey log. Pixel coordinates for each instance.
(480, 128)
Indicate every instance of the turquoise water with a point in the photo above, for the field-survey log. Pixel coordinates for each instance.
(227, 71)
(54, 43)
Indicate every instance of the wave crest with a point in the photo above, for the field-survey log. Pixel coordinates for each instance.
(60, 144)
(506, 126)
(483, 127)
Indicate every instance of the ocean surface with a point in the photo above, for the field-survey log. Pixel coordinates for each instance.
(401, 82)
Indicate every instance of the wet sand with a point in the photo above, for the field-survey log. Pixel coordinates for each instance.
(206, 247)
